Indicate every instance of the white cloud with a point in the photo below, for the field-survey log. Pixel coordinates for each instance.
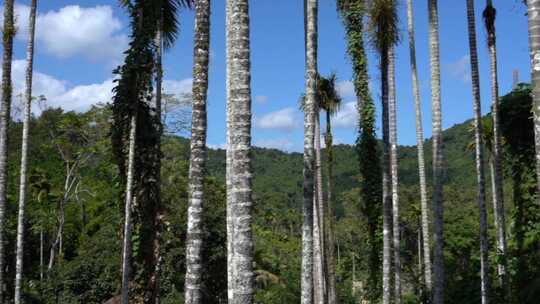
(460, 69)
(80, 97)
(177, 87)
(347, 117)
(346, 89)
(283, 119)
(275, 143)
(261, 99)
(92, 32)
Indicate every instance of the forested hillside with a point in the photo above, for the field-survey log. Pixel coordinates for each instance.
(75, 198)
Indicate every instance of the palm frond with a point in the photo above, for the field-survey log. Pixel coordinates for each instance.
(170, 25)
(330, 100)
(489, 15)
(383, 24)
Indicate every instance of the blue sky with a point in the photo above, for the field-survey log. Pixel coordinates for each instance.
(80, 42)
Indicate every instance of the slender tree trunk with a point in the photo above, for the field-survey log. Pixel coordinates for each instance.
(479, 153)
(438, 208)
(420, 290)
(158, 216)
(387, 182)
(318, 218)
(56, 247)
(493, 194)
(24, 154)
(329, 231)
(489, 18)
(311, 11)
(197, 166)
(420, 146)
(240, 133)
(230, 227)
(130, 196)
(394, 175)
(5, 109)
(533, 14)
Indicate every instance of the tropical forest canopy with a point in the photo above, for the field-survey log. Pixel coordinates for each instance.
(112, 205)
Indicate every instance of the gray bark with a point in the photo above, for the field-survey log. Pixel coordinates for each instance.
(198, 153)
(437, 199)
(240, 174)
(387, 183)
(533, 14)
(394, 174)
(420, 146)
(329, 228)
(126, 249)
(318, 218)
(311, 11)
(230, 228)
(70, 182)
(498, 196)
(479, 155)
(5, 109)
(24, 154)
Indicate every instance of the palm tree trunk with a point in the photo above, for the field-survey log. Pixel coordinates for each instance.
(5, 109)
(329, 231)
(130, 197)
(311, 11)
(318, 215)
(489, 17)
(230, 227)
(387, 181)
(154, 279)
(240, 174)
(533, 13)
(394, 174)
(420, 146)
(197, 165)
(438, 208)
(24, 154)
(479, 153)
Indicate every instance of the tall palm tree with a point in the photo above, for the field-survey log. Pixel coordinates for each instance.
(420, 147)
(197, 165)
(353, 13)
(310, 24)
(383, 28)
(330, 101)
(5, 108)
(489, 22)
(479, 153)
(533, 13)
(130, 197)
(437, 199)
(239, 95)
(318, 214)
(24, 152)
(132, 111)
(230, 228)
(394, 174)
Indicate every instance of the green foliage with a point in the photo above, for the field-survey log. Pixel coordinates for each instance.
(353, 13)
(88, 271)
(518, 130)
(383, 24)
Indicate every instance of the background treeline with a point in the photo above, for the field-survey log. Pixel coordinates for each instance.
(75, 189)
